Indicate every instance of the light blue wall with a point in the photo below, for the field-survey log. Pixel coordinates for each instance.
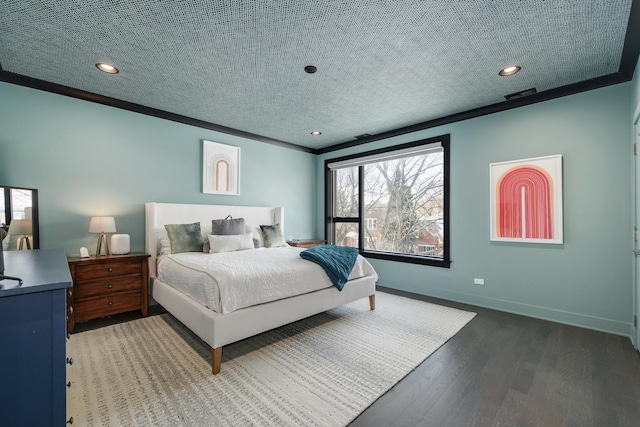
(88, 159)
(635, 101)
(635, 109)
(587, 281)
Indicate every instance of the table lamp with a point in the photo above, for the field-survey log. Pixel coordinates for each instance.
(102, 225)
(23, 228)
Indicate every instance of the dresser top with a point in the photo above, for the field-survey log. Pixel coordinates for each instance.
(40, 270)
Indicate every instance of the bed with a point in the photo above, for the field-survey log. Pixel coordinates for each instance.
(218, 329)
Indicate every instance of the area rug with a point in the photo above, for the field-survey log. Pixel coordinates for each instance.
(321, 371)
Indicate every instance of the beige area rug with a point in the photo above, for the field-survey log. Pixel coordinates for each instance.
(321, 371)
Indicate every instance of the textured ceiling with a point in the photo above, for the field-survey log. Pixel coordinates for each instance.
(382, 65)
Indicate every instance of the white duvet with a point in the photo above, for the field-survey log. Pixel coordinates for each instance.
(225, 282)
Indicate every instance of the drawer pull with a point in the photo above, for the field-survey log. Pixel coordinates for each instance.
(109, 269)
(69, 384)
(70, 360)
(110, 286)
(70, 421)
(70, 309)
(69, 293)
(110, 303)
(68, 336)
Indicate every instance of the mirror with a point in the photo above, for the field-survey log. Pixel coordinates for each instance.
(19, 218)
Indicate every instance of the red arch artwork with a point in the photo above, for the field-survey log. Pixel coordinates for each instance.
(524, 203)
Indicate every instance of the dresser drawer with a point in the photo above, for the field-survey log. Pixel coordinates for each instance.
(104, 306)
(106, 269)
(104, 287)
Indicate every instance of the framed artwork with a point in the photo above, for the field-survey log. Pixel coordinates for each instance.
(220, 168)
(526, 200)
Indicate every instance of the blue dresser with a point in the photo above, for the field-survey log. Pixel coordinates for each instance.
(33, 338)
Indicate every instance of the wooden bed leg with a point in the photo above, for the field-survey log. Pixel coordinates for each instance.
(216, 359)
(372, 302)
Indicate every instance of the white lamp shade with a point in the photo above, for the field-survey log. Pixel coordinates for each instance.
(102, 224)
(20, 227)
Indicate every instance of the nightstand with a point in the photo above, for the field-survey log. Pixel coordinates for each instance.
(107, 285)
(305, 243)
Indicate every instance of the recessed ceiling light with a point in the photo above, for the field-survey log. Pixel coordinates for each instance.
(507, 71)
(316, 133)
(107, 68)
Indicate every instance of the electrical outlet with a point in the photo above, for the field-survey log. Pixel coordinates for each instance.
(477, 281)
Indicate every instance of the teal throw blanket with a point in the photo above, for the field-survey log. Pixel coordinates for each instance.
(337, 261)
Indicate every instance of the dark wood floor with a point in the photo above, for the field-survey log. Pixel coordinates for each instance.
(507, 370)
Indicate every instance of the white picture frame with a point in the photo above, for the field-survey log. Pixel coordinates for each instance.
(220, 168)
(526, 200)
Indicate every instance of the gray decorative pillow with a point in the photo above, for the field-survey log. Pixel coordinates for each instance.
(227, 227)
(273, 237)
(224, 227)
(185, 237)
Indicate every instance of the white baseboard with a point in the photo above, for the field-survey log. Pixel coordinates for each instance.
(559, 316)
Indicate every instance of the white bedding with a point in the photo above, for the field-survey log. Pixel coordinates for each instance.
(225, 282)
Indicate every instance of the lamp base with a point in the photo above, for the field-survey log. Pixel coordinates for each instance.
(103, 238)
(22, 242)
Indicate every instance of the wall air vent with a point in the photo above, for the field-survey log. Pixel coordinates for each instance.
(521, 94)
(364, 135)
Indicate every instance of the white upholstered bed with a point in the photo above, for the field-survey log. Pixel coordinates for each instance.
(216, 329)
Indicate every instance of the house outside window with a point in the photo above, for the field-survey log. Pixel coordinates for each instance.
(427, 249)
(397, 196)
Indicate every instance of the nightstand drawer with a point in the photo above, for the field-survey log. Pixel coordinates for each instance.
(106, 269)
(102, 287)
(104, 306)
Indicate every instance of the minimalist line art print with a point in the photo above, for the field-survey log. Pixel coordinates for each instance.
(220, 168)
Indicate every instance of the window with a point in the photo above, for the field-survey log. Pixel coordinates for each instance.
(397, 196)
(15, 203)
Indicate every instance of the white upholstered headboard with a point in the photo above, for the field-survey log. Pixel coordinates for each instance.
(159, 214)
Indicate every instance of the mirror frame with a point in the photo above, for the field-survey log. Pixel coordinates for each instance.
(34, 210)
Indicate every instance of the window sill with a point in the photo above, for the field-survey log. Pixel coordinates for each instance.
(411, 259)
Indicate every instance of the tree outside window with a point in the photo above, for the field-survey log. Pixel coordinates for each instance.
(397, 197)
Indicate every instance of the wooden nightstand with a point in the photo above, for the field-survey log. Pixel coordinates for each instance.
(305, 243)
(107, 285)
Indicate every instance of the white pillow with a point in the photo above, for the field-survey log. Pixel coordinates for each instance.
(164, 244)
(230, 243)
(257, 234)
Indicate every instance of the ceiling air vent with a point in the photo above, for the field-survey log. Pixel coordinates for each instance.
(521, 94)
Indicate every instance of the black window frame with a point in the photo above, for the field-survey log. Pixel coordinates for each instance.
(330, 220)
